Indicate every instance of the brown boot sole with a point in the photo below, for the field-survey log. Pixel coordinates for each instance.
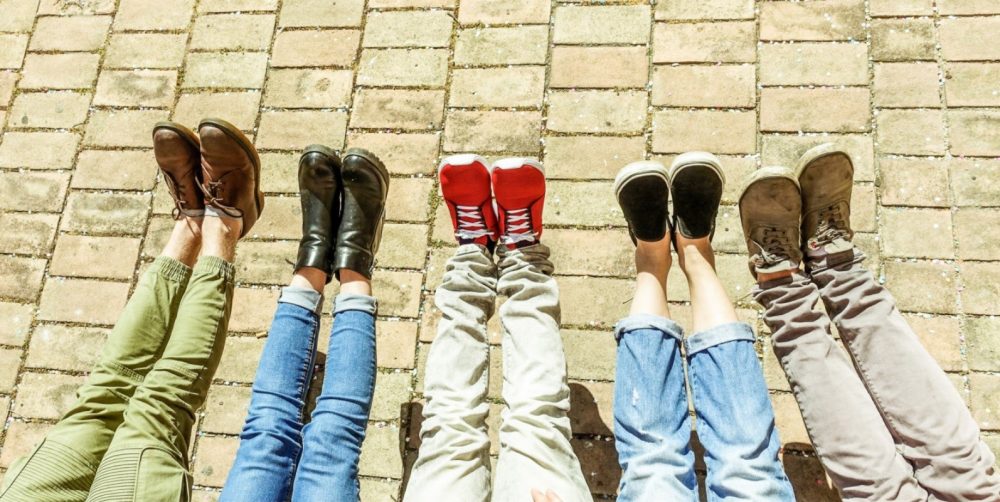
(181, 130)
(234, 132)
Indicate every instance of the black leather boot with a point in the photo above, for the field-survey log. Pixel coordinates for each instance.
(319, 191)
(366, 185)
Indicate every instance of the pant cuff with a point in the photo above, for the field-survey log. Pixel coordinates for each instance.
(307, 298)
(345, 301)
(216, 265)
(850, 256)
(171, 269)
(648, 321)
(718, 335)
(465, 249)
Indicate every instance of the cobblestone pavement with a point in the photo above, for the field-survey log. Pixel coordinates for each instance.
(910, 87)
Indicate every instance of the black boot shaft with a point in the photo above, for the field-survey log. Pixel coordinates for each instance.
(366, 185)
(319, 192)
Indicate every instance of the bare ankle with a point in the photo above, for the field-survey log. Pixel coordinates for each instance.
(354, 283)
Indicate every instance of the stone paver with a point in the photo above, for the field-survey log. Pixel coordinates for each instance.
(906, 86)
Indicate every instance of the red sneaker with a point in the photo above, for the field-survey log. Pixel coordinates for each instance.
(519, 187)
(465, 185)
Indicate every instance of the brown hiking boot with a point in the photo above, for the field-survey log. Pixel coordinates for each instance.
(177, 153)
(230, 170)
(826, 177)
(771, 211)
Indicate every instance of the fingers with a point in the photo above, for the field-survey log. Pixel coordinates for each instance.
(548, 496)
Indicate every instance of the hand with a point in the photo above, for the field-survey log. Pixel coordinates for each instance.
(548, 496)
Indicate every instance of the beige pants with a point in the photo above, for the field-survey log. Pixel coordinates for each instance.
(890, 425)
(535, 449)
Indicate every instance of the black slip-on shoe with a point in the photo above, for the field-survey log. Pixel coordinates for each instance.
(642, 191)
(696, 182)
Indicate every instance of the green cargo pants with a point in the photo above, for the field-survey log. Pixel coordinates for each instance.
(127, 436)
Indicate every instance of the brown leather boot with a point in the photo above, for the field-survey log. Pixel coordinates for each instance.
(230, 170)
(177, 153)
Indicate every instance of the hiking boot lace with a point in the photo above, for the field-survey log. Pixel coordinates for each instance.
(519, 226)
(832, 225)
(471, 224)
(773, 248)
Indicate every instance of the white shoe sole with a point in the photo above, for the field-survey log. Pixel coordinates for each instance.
(516, 162)
(463, 159)
(639, 169)
(696, 159)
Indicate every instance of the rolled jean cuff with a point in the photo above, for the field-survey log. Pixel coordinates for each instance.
(364, 303)
(307, 298)
(718, 335)
(171, 269)
(648, 321)
(216, 265)
(465, 249)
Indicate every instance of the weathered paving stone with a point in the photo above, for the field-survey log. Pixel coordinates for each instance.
(150, 15)
(725, 132)
(225, 70)
(378, 489)
(236, 5)
(705, 9)
(322, 13)
(403, 67)
(308, 88)
(590, 355)
(381, 456)
(829, 20)
(595, 455)
(70, 33)
(294, 130)
(597, 111)
(962, 37)
(22, 437)
(413, 205)
(599, 67)
(581, 308)
(612, 252)
(134, 170)
(922, 286)
(729, 86)
(122, 128)
(58, 7)
(101, 213)
(22, 277)
(716, 42)
(902, 39)
(601, 24)
(82, 301)
(238, 108)
(45, 395)
(397, 109)
(906, 85)
(49, 110)
(791, 110)
(985, 400)
(136, 88)
(932, 225)
(38, 150)
(405, 153)
(403, 246)
(890, 8)
(12, 49)
(940, 336)
(59, 71)
(214, 457)
(18, 15)
(239, 360)
(492, 131)
(983, 347)
(408, 29)
(960, 7)
(517, 86)
(397, 343)
(250, 32)
(281, 220)
(392, 391)
(102, 257)
(34, 191)
(19, 318)
(145, 50)
(29, 233)
(814, 64)
(501, 46)
(914, 182)
(973, 84)
(974, 241)
(7, 81)
(975, 132)
(265, 262)
(225, 409)
(591, 407)
(576, 203)
(48, 342)
(510, 12)
(592, 157)
(973, 181)
(315, 48)
(982, 285)
(913, 132)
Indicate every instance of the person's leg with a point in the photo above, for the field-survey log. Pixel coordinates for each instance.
(62, 468)
(535, 448)
(844, 425)
(148, 457)
(734, 419)
(271, 441)
(454, 448)
(923, 410)
(652, 423)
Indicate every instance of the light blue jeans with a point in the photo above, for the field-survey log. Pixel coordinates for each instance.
(278, 458)
(735, 421)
